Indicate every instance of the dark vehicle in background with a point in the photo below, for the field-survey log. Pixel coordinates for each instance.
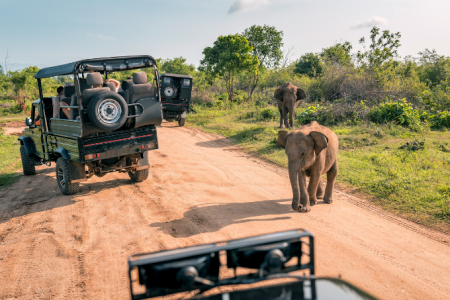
(272, 259)
(107, 131)
(176, 97)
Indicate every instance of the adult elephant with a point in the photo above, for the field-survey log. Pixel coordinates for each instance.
(288, 97)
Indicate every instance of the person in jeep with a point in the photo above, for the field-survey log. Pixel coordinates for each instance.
(57, 103)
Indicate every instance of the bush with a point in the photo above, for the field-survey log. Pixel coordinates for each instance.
(440, 120)
(332, 114)
(270, 113)
(400, 112)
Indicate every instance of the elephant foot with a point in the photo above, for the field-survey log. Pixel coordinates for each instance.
(312, 202)
(329, 201)
(296, 206)
(306, 209)
(320, 191)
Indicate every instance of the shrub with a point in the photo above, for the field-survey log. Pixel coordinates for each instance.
(442, 119)
(400, 112)
(269, 113)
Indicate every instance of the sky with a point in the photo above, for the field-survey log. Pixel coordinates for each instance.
(52, 32)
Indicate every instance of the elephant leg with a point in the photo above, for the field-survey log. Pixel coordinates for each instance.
(314, 181)
(320, 190)
(291, 117)
(281, 118)
(304, 198)
(331, 177)
(285, 116)
(293, 174)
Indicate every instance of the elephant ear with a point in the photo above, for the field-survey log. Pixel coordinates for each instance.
(278, 94)
(320, 141)
(282, 137)
(300, 94)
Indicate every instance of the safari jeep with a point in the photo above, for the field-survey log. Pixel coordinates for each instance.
(176, 96)
(107, 130)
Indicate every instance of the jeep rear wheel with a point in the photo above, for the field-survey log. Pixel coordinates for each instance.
(138, 176)
(181, 121)
(27, 163)
(63, 177)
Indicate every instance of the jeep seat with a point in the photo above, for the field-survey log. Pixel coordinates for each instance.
(140, 89)
(110, 85)
(93, 79)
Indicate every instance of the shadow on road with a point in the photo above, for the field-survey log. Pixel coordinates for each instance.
(213, 217)
(219, 143)
(40, 192)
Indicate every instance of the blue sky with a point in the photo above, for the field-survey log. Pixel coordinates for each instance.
(50, 32)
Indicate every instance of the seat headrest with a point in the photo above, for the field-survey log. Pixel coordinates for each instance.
(110, 85)
(69, 91)
(139, 78)
(94, 78)
(84, 85)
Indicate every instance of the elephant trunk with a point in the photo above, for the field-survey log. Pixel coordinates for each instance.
(294, 168)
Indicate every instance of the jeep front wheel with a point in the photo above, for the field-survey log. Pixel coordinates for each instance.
(138, 176)
(27, 164)
(63, 177)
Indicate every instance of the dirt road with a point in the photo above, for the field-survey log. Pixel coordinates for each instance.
(201, 189)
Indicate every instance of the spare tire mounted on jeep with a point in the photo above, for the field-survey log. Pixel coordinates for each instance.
(107, 111)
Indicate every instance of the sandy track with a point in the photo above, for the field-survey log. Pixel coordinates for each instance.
(201, 189)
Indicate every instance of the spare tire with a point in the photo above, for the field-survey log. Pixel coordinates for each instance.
(107, 111)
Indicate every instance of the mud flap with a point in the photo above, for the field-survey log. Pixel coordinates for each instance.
(143, 163)
(77, 172)
(183, 115)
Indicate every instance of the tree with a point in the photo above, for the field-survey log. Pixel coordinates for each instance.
(176, 65)
(434, 68)
(229, 56)
(338, 54)
(379, 58)
(266, 42)
(309, 64)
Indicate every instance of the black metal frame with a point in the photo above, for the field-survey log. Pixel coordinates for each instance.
(144, 261)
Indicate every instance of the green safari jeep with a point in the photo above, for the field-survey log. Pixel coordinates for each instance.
(95, 128)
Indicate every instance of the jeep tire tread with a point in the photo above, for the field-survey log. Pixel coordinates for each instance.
(138, 176)
(63, 177)
(27, 163)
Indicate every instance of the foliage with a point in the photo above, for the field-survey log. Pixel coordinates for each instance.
(440, 120)
(309, 64)
(176, 65)
(266, 42)
(379, 58)
(338, 54)
(229, 56)
(400, 112)
(270, 113)
(9, 159)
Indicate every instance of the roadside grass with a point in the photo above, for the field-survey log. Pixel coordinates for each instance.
(9, 159)
(412, 183)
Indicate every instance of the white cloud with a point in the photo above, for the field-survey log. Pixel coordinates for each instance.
(240, 6)
(101, 36)
(369, 23)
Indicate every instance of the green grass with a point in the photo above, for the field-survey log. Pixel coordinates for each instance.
(9, 159)
(413, 184)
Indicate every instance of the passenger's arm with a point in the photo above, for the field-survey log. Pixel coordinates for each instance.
(116, 83)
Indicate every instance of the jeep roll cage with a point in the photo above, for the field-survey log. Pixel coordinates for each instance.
(102, 65)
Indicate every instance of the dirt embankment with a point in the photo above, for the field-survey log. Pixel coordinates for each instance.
(201, 189)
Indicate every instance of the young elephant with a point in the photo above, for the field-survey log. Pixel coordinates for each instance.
(288, 97)
(311, 151)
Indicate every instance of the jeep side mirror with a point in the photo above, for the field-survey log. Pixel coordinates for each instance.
(28, 122)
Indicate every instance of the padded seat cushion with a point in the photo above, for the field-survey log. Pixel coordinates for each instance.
(126, 84)
(139, 91)
(139, 78)
(69, 91)
(110, 85)
(94, 79)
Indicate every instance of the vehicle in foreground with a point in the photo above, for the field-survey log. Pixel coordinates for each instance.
(273, 259)
(176, 97)
(107, 130)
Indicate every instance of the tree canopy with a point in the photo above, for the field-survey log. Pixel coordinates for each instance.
(230, 55)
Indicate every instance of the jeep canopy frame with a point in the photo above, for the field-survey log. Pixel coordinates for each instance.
(103, 65)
